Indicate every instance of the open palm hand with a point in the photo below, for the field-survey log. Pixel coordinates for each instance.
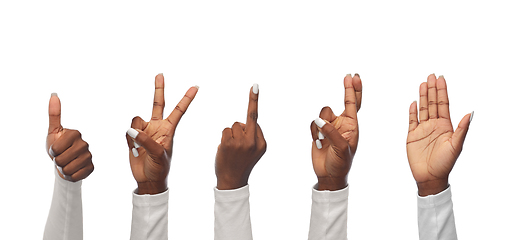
(432, 145)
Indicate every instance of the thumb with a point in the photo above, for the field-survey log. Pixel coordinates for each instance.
(54, 114)
(457, 140)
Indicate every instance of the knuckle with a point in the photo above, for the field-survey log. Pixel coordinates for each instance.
(253, 115)
(135, 120)
(59, 161)
(75, 133)
(179, 109)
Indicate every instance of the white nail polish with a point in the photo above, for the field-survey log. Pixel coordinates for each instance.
(161, 74)
(348, 75)
(51, 152)
(255, 88)
(53, 94)
(132, 133)
(471, 117)
(318, 143)
(135, 152)
(197, 87)
(319, 122)
(320, 135)
(136, 145)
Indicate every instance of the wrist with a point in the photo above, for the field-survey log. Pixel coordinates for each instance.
(432, 187)
(331, 183)
(230, 184)
(151, 187)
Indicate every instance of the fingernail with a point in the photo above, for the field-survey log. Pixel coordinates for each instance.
(136, 144)
(356, 74)
(319, 122)
(161, 74)
(441, 76)
(319, 144)
(54, 94)
(132, 133)
(348, 75)
(320, 135)
(60, 169)
(51, 152)
(135, 152)
(255, 89)
(471, 117)
(197, 87)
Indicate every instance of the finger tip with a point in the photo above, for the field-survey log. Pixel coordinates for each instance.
(135, 152)
(318, 144)
(132, 133)
(471, 116)
(255, 88)
(320, 122)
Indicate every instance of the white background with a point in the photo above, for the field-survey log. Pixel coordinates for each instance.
(101, 58)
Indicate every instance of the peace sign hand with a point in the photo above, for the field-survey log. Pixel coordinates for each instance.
(150, 163)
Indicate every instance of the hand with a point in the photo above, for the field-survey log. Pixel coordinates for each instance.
(333, 152)
(432, 146)
(150, 163)
(69, 152)
(241, 148)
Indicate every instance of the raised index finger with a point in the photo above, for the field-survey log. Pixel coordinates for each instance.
(251, 119)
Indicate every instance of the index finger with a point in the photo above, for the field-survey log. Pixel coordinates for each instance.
(251, 120)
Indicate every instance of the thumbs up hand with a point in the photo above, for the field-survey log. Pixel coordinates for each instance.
(66, 148)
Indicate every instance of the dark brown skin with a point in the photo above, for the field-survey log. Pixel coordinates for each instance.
(151, 168)
(69, 149)
(432, 145)
(241, 148)
(333, 162)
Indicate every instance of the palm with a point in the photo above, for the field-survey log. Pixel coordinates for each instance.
(430, 152)
(331, 162)
(149, 166)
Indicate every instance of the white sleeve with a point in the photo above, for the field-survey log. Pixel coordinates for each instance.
(65, 220)
(329, 215)
(435, 217)
(232, 214)
(150, 216)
